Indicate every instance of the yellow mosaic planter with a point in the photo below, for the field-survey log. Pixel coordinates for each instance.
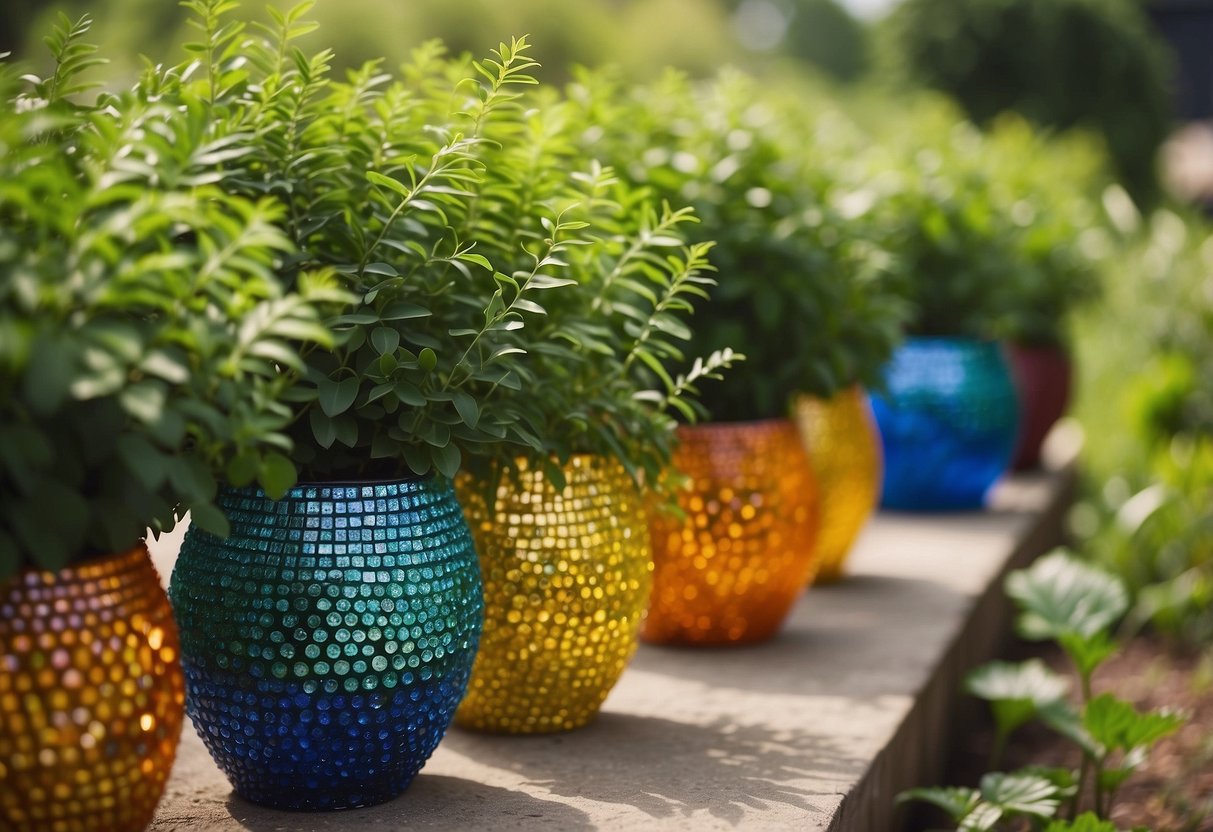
(91, 696)
(566, 579)
(730, 570)
(844, 448)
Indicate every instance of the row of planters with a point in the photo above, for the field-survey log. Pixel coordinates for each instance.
(416, 353)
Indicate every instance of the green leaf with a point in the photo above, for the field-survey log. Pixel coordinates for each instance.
(242, 468)
(468, 410)
(403, 310)
(48, 375)
(376, 178)
(381, 269)
(1118, 725)
(956, 801)
(1021, 794)
(276, 475)
(1065, 719)
(447, 460)
(409, 394)
(1088, 652)
(385, 340)
(209, 518)
(145, 400)
(427, 359)
(1061, 595)
(336, 397)
(1086, 822)
(983, 818)
(1016, 692)
(142, 460)
(324, 429)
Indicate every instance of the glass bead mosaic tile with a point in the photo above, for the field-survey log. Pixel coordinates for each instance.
(730, 569)
(91, 696)
(327, 641)
(844, 448)
(948, 421)
(567, 575)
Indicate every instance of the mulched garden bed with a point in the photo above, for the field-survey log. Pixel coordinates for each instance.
(1173, 792)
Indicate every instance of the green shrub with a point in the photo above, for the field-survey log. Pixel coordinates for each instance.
(802, 287)
(987, 246)
(145, 341)
(453, 202)
(1061, 63)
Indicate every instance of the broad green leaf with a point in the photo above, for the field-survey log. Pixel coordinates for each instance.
(1021, 794)
(956, 801)
(1066, 720)
(324, 430)
(381, 269)
(1016, 691)
(427, 359)
(1061, 595)
(1086, 822)
(983, 818)
(277, 475)
(144, 400)
(242, 468)
(468, 410)
(1088, 652)
(447, 460)
(336, 397)
(1118, 725)
(208, 518)
(385, 339)
(409, 394)
(48, 375)
(142, 459)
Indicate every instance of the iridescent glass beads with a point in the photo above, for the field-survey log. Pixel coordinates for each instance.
(567, 574)
(729, 570)
(91, 696)
(844, 448)
(948, 418)
(327, 641)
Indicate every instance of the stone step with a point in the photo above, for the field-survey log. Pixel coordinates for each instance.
(819, 729)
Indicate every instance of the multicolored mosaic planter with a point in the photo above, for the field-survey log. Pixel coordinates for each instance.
(567, 574)
(327, 641)
(1043, 377)
(730, 569)
(948, 420)
(91, 696)
(844, 448)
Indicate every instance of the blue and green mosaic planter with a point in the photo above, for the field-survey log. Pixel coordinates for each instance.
(948, 419)
(327, 642)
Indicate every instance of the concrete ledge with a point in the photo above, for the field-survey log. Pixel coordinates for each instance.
(816, 730)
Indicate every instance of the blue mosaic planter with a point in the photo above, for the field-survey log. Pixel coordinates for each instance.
(948, 421)
(327, 642)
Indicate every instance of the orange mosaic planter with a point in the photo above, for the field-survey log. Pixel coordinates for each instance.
(91, 696)
(844, 448)
(730, 570)
(566, 580)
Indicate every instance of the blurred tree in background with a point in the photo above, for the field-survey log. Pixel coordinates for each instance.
(641, 36)
(1062, 63)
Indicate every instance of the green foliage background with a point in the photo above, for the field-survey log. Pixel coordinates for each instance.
(643, 36)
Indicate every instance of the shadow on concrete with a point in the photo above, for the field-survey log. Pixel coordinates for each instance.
(670, 769)
(866, 630)
(431, 802)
